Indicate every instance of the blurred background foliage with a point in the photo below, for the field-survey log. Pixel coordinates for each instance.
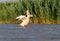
(43, 11)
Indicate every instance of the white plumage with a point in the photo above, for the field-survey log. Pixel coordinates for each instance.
(25, 20)
(21, 17)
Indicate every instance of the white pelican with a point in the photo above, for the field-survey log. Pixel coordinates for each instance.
(24, 19)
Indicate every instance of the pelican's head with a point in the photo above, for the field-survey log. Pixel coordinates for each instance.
(21, 17)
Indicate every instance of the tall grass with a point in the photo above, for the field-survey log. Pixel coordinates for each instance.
(44, 11)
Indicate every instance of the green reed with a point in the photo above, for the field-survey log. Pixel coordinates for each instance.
(43, 11)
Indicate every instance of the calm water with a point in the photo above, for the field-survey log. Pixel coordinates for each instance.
(34, 32)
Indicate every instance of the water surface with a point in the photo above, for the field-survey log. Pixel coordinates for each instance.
(34, 32)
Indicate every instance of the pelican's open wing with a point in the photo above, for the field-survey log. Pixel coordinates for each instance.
(21, 17)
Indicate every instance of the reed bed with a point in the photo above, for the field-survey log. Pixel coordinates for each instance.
(43, 11)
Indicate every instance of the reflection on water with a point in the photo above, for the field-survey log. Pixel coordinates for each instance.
(34, 32)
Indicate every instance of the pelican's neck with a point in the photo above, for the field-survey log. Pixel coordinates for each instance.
(28, 14)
